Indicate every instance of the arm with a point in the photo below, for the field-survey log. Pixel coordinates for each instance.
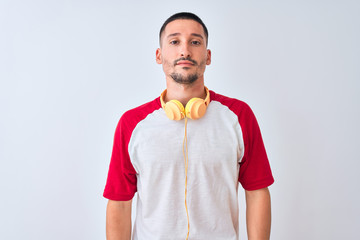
(118, 220)
(258, 214)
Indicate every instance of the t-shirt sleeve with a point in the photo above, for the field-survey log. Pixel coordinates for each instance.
(121, 180)
(255, 172)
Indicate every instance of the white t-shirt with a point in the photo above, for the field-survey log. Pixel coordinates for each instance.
(224, 147)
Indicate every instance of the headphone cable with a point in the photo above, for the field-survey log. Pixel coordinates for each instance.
(186, 161)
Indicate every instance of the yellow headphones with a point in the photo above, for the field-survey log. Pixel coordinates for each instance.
(194, 109)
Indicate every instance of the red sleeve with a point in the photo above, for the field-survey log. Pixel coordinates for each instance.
(121, 180)
(255, 172)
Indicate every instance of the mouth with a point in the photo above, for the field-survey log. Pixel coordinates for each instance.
(185, 63)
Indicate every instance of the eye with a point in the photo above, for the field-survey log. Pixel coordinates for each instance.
(195, 42)
(174, 42)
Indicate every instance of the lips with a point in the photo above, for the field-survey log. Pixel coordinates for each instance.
(184, 62)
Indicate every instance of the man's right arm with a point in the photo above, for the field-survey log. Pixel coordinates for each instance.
(118, 220)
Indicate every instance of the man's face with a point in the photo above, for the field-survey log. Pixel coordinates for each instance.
(183, 52)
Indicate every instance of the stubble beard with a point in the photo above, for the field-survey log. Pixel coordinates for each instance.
(181, 78)
(186, 80)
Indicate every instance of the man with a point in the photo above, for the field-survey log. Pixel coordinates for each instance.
(185, 163)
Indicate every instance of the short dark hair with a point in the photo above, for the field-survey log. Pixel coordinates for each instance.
(184, 15)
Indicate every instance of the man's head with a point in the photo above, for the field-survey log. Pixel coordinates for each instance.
(183, 48)
(184, 15)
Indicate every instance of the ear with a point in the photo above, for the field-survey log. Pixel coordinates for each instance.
(158, 56)
(208, 57)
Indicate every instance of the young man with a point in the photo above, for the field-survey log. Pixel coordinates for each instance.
(185, 163)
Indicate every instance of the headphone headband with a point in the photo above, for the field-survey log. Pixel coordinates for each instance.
(163, 94)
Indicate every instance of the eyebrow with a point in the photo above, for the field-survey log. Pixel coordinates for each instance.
(177, 34)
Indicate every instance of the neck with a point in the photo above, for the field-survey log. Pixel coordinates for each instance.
(184, 92)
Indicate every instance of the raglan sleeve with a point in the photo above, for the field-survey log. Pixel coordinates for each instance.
(121, 180)
(255, 172)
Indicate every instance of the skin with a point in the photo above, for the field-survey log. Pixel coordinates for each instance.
(258, 214)
(118, 220)
(185, 39)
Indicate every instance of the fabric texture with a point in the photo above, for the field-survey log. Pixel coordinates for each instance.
(225, 147)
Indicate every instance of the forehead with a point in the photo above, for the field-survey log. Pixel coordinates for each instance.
(184, 27)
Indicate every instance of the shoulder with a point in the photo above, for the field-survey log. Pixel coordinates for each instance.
(135, 115)
(237, 106)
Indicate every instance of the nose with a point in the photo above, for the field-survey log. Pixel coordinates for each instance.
(185, 51)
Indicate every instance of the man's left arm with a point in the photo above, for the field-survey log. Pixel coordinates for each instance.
(258, 214)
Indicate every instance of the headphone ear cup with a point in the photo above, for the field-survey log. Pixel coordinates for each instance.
(174, 110)
(195, 108)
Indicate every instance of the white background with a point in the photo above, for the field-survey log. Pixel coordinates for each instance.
(69, 69)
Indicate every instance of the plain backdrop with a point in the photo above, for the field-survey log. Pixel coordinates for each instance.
(69, 69)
